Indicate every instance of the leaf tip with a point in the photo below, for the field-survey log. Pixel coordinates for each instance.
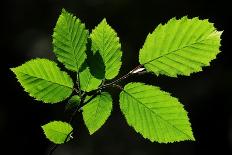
(191, 137)
(185, 17)
(91, 132)
(104, 21)
(13, 69)
(220, 33)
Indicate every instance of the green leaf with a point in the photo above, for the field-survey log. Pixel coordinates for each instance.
(96, 112)
(58, 132)
(105, 40)
(180, 47)
(92, 71)
(87, 81)
(155, 114)
(73, 102)
(43, 80)
(69, 40)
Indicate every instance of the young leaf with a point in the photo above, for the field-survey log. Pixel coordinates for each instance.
(73, 102)
(43, 80)
(180, 47)
(58, 132)
(92, 71)
(69, 40)
(96, 112)
(155, 114)
(105, 40)
(87, 81)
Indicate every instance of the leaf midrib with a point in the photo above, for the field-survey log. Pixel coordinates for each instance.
(88, 80)
(45, 79)
(58, 132)
(157, 115)
(176, 50)
(95, 114)
(70, 33)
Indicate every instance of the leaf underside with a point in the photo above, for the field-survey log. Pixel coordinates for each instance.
(43, 80)
(180, 47)
(57, 131)
(155, 114)
(105, 41)
(69, 40)
(96, 112)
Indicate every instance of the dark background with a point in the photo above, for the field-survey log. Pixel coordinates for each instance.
(26, 34)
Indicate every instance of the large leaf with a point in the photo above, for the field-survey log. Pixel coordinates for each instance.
(96, 112)
(69, 40)
(105, 41)
(58, 132)
(180, 47)
(43, 80)
(154, 113)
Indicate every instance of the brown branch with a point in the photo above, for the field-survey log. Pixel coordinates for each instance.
(78, 84)
(121, 78)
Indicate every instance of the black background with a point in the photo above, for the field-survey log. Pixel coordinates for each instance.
(26, 34)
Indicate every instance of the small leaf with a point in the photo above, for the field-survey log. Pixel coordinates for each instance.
(91, 72)
(105, 41)
(69, 40)
(180, 47)
(43, 80)
(57, 132)
(155, 114)
(87, 81)
(96, 112)
(73, 102)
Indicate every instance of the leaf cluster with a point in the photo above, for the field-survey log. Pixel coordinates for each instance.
(179, 47)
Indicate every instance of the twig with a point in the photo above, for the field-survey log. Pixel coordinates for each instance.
(122, 78)
(93, 96)
(54, 147)
(77, 108)
(75, 89)
(117, 86)
(78, 83)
